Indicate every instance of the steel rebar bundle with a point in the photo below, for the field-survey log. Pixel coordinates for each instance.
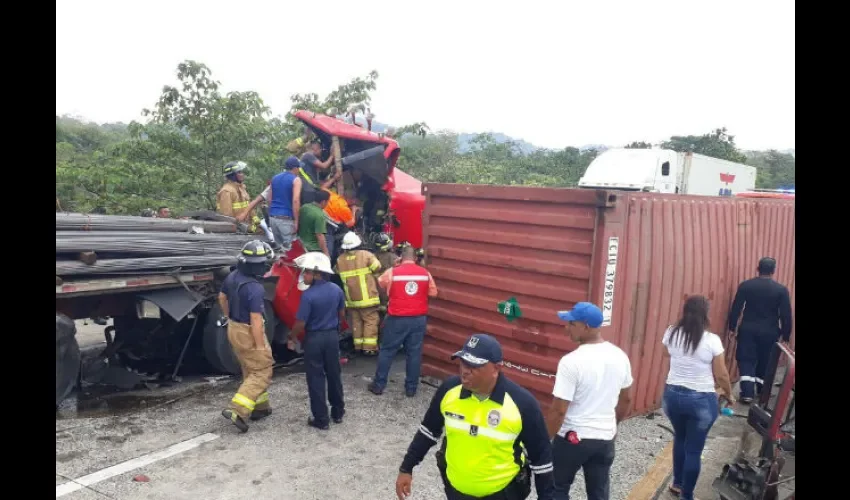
(93, 222)
(150, 265)
(149, 246)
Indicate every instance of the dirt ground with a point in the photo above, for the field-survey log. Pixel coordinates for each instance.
(278, 458)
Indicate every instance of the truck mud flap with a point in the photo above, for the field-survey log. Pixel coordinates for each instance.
(67, 357)
(176, 302)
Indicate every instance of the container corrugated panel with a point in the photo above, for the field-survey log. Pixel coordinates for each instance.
(487, 244)
(670, 247)
(637, 255)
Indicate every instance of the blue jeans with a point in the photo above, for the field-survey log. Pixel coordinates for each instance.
(398, 331)
(283, 231)
(692, 415)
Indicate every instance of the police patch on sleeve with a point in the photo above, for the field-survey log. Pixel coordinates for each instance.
(411, 287)
(493, 418)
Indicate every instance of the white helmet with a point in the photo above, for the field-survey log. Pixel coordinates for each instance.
(314, 261)
(351, 240)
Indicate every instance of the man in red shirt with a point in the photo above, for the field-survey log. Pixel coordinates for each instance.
(404, 325)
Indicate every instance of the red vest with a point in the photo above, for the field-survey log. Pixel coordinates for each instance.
(408, 291)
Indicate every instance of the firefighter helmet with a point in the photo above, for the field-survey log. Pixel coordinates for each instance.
(383, 242)
(234, 167)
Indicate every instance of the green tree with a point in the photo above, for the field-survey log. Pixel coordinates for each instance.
(717, 144)
(639, 145)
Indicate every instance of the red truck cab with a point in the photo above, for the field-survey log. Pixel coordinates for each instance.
(399, 207)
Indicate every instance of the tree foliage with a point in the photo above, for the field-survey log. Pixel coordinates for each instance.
(175, 157)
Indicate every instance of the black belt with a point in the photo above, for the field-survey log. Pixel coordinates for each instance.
(281, 217)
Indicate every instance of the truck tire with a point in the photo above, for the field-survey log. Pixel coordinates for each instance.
(67, 357)
(217, 348)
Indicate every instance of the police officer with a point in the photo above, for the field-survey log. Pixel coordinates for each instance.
(320, 314)
(495, 432)
(242, 303)
(767, 318)
(356, 267)
(409, 285)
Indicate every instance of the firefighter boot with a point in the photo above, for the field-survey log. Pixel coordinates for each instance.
(262, 410)
(235, 419)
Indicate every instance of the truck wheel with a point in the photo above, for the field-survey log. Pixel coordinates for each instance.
(67, 357)
(217, 348)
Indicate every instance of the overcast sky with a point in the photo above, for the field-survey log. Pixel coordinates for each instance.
(554, 73)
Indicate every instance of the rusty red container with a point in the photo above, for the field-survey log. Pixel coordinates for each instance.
(636, 255)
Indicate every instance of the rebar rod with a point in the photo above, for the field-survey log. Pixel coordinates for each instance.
(152, 264)
(95, 222)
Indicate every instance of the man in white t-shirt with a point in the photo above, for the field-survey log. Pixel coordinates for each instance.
(591, 397)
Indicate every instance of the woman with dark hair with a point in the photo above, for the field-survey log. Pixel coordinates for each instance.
(697, 367)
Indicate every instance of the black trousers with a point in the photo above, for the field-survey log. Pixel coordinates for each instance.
(595, 456)
(321, 360)
(753, 355)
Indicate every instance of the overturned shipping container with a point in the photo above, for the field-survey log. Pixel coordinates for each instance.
(636, 255)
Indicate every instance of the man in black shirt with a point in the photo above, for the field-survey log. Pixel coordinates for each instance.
(767, 318)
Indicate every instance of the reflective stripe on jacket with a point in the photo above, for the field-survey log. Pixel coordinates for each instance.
(408, 292)
(355, 270)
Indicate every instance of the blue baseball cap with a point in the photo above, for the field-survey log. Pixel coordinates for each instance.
(585, 312)
(479, 350)
(292, 162)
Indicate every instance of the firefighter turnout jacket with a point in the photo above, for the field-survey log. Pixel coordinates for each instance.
(487, 443)
(232, 199)
(355, 270)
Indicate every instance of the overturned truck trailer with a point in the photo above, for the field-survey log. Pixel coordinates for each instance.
(636, 255)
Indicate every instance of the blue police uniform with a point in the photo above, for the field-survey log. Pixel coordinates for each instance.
(319, 310)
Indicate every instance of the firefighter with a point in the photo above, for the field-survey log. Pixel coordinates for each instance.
(409, 286)
(320, 314)
(766, 319)
(356, 267)
(388, 260)
(233, 200)
(242, 305)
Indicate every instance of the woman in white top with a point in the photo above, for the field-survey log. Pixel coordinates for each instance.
(690, 402)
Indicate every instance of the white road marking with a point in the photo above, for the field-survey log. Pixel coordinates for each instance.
(118, 469)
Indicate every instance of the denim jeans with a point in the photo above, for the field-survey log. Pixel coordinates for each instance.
(692, 414)
(283, 231)
(398, 331)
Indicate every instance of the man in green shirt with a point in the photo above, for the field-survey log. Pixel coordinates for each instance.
(312, 225)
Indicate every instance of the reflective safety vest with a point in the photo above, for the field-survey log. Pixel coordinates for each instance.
(355, 270)
(482, 452)
(408, 292)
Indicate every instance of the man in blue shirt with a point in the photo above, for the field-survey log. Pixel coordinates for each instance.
(320, 314)
(285, 194)
(242, 303)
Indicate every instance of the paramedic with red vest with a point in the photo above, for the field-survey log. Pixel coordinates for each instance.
(408, 285)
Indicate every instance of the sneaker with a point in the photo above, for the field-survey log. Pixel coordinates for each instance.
(745, 401)
(260, 414)
(410, 394)
(313, 423)
(338, 419)
(235, 419)
(374, 389)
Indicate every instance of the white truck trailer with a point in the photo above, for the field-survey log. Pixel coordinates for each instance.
(665, 171)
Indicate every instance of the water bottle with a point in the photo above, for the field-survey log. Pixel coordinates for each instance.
(727, 412)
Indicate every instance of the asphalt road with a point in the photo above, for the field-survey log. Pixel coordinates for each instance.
(279, 457)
